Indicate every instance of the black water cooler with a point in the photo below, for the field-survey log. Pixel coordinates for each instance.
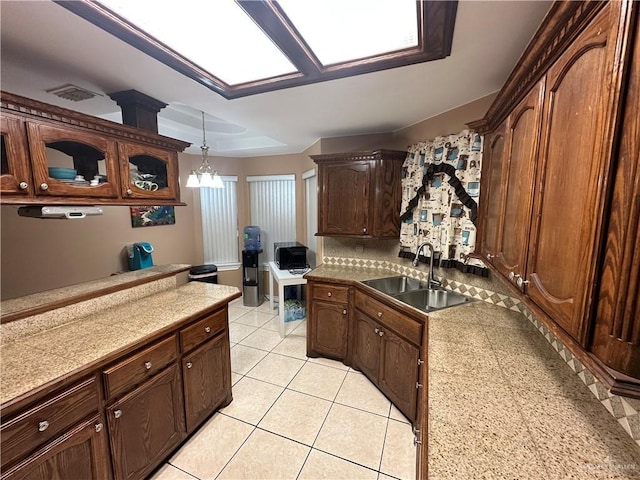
(251, 281)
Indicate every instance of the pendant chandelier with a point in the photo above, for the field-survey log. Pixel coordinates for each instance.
(205, 175)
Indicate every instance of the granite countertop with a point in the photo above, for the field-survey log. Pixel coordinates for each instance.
(33, 361)
(36, 300)
(504, 404)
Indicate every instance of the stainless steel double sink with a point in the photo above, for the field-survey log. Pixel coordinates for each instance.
(417, 293)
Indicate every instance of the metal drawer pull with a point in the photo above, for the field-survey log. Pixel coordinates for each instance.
(98, 427)
(416, 442)
(328, 294)
(44, 186)
(379, 314)
(344, 312)
(42, 426)
(376, 330)
(147, 365)
(419, 385)
(117, 413)
(207, 329)
(381, 333)
(23, 185)
(189, 364)
(520, 282)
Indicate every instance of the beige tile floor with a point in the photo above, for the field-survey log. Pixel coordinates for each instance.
(293, 417)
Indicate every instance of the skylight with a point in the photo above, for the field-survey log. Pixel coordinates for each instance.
(217, 35)
(346, 30)
(245, 47)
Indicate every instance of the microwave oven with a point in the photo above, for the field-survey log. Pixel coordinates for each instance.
(290, 255)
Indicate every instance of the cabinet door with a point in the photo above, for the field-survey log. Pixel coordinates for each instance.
(80, 453)
(90, 155)
(492, 191)
(522, 139)
(145, 425)
(15, 174)
(206, 374)
(366, 347)
(398, 377)
(576, 146)
(148, 172)
(386, 199)
(329, 329)
(343, 208)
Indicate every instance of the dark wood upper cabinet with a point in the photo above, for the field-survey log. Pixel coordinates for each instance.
(559, 217)
(523, 127)
(131, 166)
(359, 193)
(492, 192)
(15, 176)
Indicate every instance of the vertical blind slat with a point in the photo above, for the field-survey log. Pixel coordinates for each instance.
(219, 223)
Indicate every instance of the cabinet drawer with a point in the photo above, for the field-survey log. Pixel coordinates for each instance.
(331, 293)
(387, 317)
(139, 367)
(203, 330)
(47, 420)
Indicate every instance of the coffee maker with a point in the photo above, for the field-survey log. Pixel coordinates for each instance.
(251, 281)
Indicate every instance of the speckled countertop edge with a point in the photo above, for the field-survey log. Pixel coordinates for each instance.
(43, 358)
(36, 300)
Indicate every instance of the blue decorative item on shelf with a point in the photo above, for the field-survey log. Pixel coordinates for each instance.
(60, 173)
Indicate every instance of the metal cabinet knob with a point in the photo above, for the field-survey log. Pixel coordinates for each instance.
(376, 330)
(344, 312)
(364, 230)
(44, 186)
(98, 427)
(23, 185)
(521, 283)
(189, 364)
(207, 329)
(329, 294)
(416, 442)
(489, 256)
(511, 276)
(379, 314)
(381, 333)
(129, 192)
(147, 365)
(42, 426)
(117, 413)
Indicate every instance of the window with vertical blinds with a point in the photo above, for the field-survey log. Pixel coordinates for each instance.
(219, 208)
(273, 209)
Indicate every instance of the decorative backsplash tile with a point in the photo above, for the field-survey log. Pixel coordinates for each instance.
(625, 410)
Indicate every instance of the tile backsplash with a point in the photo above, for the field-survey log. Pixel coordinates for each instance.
(376, 254)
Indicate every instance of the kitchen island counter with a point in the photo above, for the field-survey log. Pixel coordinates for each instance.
(34, 361)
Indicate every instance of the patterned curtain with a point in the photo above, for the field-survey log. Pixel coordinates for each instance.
(440, 189)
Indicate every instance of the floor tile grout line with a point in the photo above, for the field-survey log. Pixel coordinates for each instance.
(168, 462)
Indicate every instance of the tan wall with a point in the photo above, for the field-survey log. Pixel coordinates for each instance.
(39, 255)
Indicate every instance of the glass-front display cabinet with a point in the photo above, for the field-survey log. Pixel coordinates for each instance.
(148, 172)
(67, 162)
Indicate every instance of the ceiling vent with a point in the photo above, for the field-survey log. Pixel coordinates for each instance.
(72, 92)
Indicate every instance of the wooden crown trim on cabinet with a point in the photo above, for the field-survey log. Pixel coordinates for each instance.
(562, 24)
(60, 115)
(29, 127)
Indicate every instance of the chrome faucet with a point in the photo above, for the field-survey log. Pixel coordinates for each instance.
(432, 278)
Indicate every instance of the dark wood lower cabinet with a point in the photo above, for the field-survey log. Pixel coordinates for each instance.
(81, 453)
(398, 376)
(206, 374)
(329, 331)
(389, 361)
(145, 425)
(366, 351)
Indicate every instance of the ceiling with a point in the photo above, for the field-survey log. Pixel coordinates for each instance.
(43, 46)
